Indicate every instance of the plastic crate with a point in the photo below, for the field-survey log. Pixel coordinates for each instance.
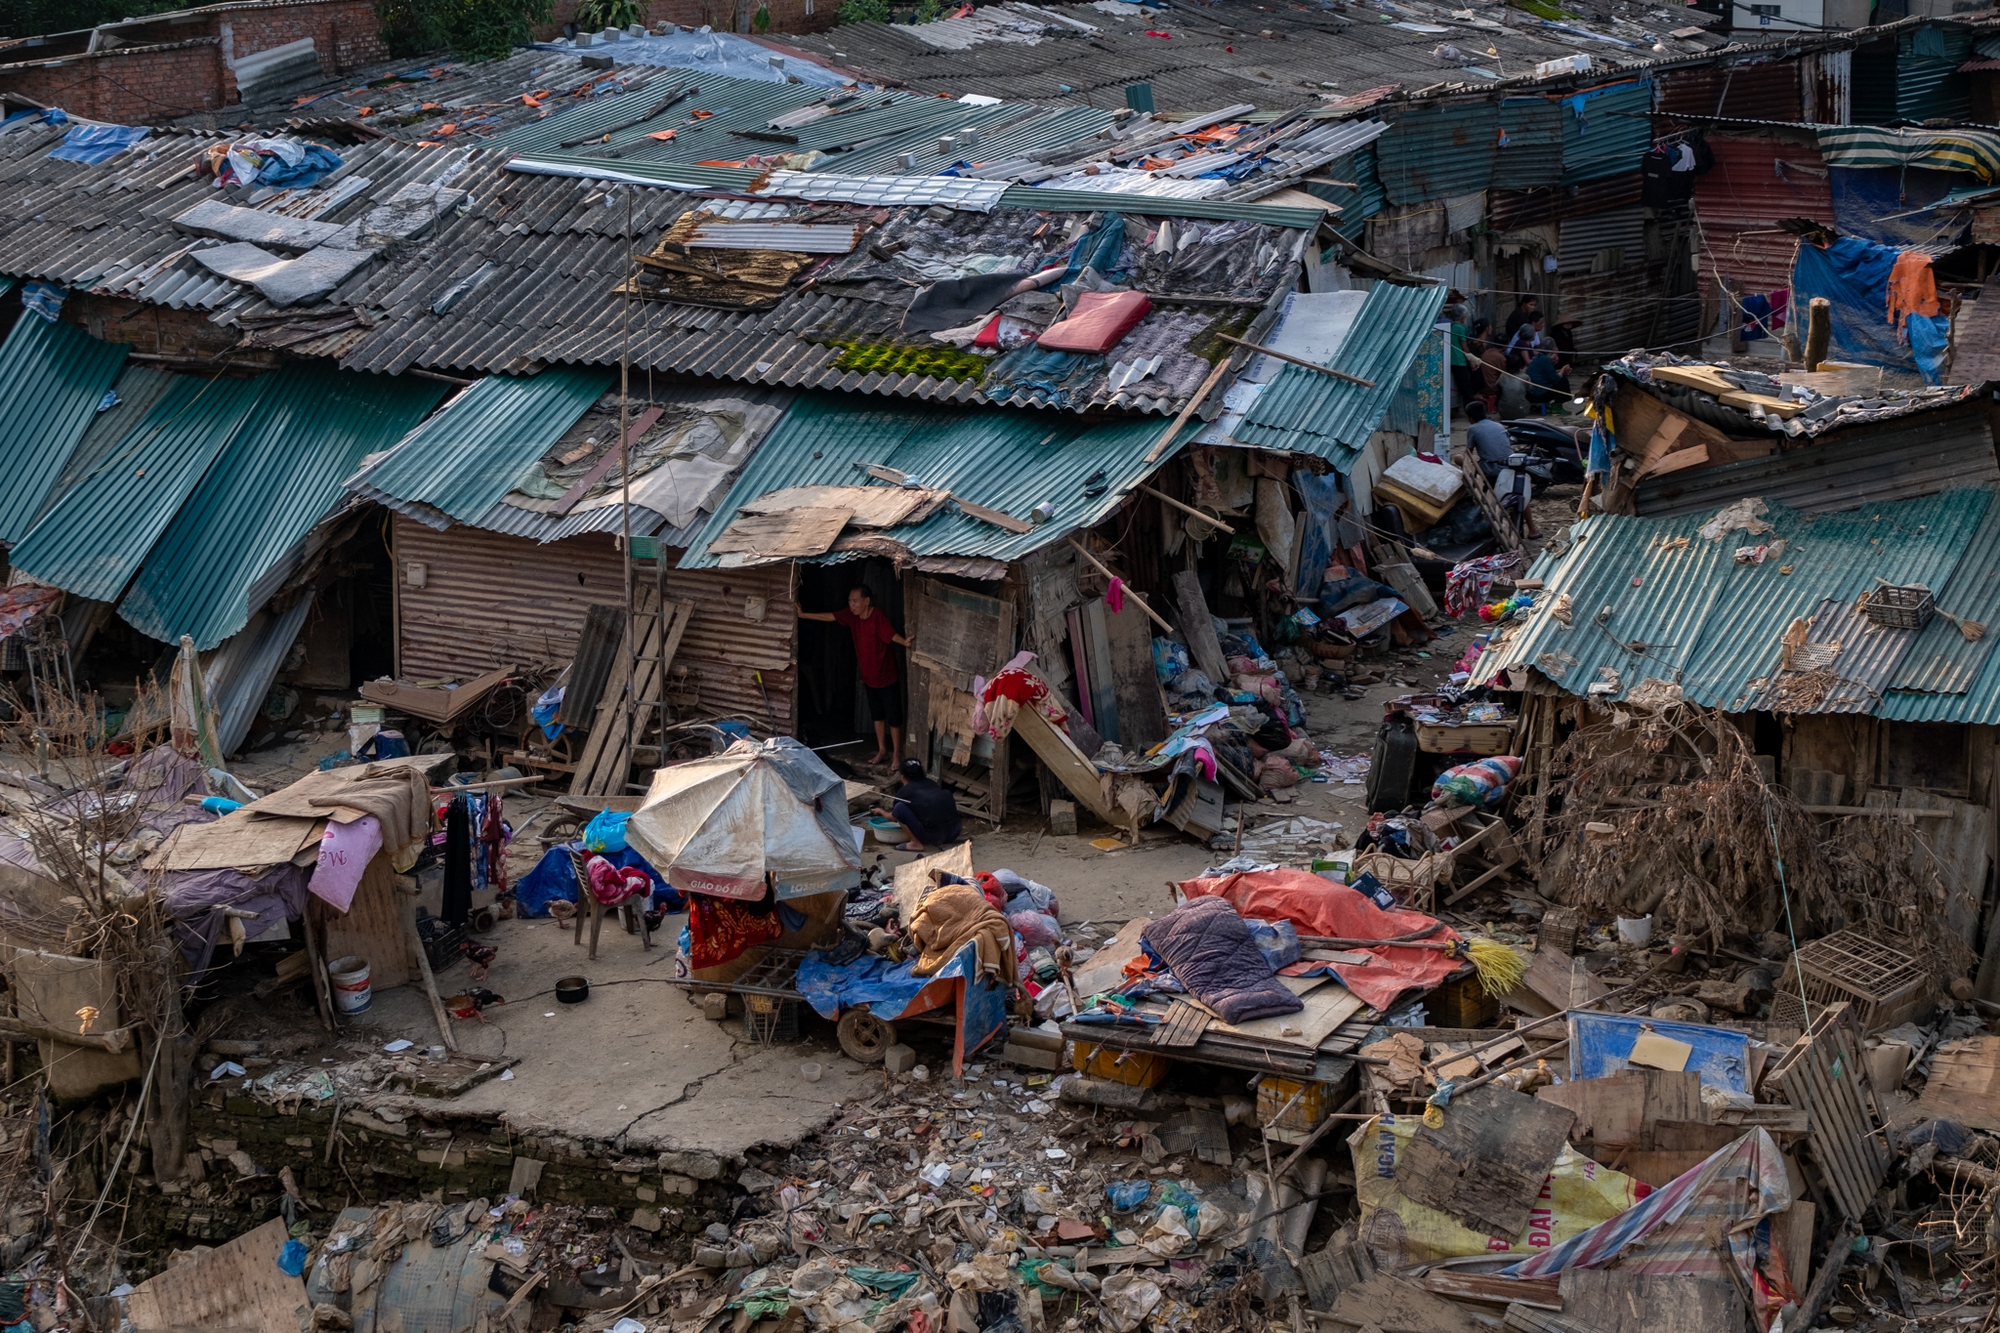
(1884, 983)
(441, 941)
(1900, 606)
(1285, 1103)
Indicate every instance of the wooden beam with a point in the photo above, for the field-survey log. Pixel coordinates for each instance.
(1187, 409)
(1105, 570)
(1186, 508)
(1299, 361)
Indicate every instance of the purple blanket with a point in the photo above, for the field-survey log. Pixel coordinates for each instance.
(1211, 953)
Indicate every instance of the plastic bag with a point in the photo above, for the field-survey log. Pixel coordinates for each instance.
(1401, 1233)
(1126, 1300)
(605, 832)
(1170, 659)
(1278, 941)
(1125, 1195)
(1035, 928)
(1483, 782)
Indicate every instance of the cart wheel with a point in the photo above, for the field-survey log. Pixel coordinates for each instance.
(864, 1037)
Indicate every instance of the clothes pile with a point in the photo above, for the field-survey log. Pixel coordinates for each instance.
(271, 163)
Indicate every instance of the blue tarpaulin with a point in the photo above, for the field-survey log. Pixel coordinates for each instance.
(97, 143)
(893, 990)
(554, 876)
(1601, 1044)
(1881, 204)
(1853, 275)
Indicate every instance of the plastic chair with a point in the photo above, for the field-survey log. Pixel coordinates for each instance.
(631, 912)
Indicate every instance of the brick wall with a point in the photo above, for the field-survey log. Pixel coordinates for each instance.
(142, 84)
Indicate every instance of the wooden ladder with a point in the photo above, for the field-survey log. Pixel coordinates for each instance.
(617, 738)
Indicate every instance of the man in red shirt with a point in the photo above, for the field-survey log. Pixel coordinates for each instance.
(872, 636)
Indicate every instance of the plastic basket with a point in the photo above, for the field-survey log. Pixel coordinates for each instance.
(1898, 606)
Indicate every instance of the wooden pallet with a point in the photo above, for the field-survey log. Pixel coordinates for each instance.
(1823, 1075)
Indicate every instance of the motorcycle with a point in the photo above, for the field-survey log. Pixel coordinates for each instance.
(1556, 454)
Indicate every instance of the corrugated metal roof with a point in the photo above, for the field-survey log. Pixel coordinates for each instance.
(1304, 411)
(1757, 182)
(1357, 204)
(1842, 643)
(1083, 201)
(1007, 460)
(1760, 88)
(94, 539)
(1653, 597)
(458, 464)
(1921, 453)
(52, 377)
(1606, 130)
(1438, 150)
(1583, 237)
(1529, 155)
(1942, 660)
(279, 475)
(1928, 83)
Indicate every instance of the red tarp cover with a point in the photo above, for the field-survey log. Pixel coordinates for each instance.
(1320, 907)
(1098, 322)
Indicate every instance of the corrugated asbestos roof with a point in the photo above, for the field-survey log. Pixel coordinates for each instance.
(459, 464)
(1303, 411)
(1652, 597)
(52, 377)
(95, 538)
(280, 474)
(1005, 460)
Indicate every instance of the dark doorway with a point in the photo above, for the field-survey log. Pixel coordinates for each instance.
(832, 707)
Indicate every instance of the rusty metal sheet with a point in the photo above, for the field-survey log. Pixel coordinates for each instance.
(745, 623)
(1767, 90)
(1758, 181)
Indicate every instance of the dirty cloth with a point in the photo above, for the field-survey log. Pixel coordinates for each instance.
(1211, 953)
(194, 899)
(344, 852)
(952, 914)
(1676, 1221)
(395, 791)
(612, 885)
(1318, 907)
(721, 929)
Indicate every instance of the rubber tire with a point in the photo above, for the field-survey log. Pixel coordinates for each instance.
(865, 1038)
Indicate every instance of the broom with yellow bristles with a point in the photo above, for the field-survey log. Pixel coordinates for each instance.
(1499, 966)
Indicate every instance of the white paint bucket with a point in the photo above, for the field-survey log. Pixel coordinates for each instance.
(1635, 930)
(351, 994)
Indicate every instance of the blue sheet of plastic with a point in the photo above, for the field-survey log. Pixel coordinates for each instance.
(1880, 203)
(891, 990)
(1601, 1043)
(1853, 275)
(554, 877)
(716, 53)
(97, 143)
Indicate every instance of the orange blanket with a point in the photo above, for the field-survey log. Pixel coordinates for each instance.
(1912, 289)
(951, 914)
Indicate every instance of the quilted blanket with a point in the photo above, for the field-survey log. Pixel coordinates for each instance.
(1211, 953)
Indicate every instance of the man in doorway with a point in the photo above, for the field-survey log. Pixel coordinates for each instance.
(872, 636)
(927, 812)
(1524, 312)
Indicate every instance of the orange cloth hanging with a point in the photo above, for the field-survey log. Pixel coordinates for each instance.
(1912, 288)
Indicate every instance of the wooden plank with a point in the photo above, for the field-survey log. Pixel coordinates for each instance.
(1824, 1074)
(1184, 1026)
(1791, 1236)
(1965, 1083)
(1142, 710)
(1198, 629)
(1325, 1009)
(1677, 461)
(236, 1286)
(787, 536)
(1539, 1293)
(373, 927)
(1486, 1164)
(1504, 528)
(1550, 982)
(1097, 652)
(633, 431)
(1074, 771)
(609, 716)
(1620, 1300)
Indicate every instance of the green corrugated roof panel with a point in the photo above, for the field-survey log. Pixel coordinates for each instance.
(1928, 83)
(461, 461)
(1003, 458)
(1529, 155)
(1306, 412)
(1438, 150)
(52, 376)
(1653, 597)
(1943, 661)
(1357, 204)
(94, 539)
(281, 473)
(1606, 130)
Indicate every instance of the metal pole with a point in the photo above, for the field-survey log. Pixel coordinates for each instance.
(625, 499)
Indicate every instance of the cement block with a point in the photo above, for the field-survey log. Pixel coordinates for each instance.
(715, 1006)
(1030, 1057)
(695, 1165)
(1062, 818)
(674, 1184)
(646, 1219)
(899, 1059)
